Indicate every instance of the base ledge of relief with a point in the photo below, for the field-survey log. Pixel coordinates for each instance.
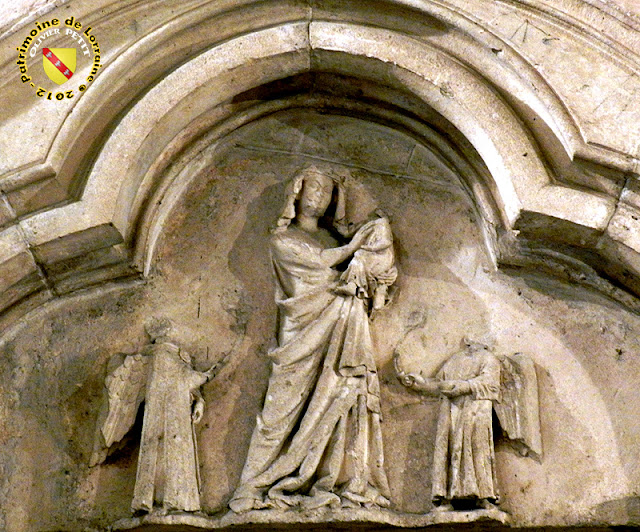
(292, 519)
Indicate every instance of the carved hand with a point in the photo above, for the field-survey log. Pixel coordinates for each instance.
(409, 379)
(388, 277)
(198, 411)
(211, 372)
(360, 237)
(417, 382)
(454, 388)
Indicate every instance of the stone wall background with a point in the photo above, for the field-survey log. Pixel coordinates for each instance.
(212, 276)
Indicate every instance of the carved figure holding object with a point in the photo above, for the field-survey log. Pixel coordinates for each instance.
(161, 376)
(372, 269)
(317, 441)
(471, 385)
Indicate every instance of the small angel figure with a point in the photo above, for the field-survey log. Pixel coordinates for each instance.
(161, 376)
(471, 384)
(372, 269)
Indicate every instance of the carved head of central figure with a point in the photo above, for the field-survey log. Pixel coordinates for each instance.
(310, 194)
(316, 194)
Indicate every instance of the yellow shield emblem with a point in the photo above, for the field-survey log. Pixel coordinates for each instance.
(59, 63)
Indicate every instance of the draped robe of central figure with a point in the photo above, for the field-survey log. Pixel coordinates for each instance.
(318, 436)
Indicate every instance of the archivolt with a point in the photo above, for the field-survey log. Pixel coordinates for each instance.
(507, 141)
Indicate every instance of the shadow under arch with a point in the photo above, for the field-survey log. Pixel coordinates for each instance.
(337, 95)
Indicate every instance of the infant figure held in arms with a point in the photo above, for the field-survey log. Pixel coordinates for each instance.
(372, 269)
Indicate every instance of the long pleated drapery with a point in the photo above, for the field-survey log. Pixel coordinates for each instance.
(168, 463)
(464, 457)
(317, 440)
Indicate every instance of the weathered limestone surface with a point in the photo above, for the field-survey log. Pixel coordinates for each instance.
(500, 138)
(212, 277)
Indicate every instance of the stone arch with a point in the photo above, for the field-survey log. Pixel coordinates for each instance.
(471, 97)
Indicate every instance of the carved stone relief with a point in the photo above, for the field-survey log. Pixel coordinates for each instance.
(161, 375)
(471, 385)
(318, 440)
(323, 197)
(379, 253)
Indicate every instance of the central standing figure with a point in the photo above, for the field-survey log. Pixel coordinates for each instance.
(317, 441)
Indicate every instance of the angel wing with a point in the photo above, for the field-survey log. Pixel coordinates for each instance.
(518, 411)
(125, 387)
